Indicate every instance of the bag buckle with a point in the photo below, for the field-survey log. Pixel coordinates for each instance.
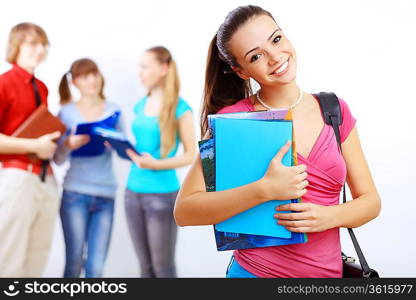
(367, 274)
(348, 259)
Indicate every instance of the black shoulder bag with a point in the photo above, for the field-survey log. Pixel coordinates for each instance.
(331, 111)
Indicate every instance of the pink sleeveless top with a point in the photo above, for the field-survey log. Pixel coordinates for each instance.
(320, 257)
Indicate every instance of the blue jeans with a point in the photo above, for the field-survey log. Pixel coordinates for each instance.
(235, 270)
(87, 222)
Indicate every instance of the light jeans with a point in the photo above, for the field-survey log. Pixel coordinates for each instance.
(87, 222)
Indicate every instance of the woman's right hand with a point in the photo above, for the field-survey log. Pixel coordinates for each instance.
(75, 141)
(281, 182)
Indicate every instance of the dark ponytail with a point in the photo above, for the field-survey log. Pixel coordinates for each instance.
(64, 91)
(223, 87)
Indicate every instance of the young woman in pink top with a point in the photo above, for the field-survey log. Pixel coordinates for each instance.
(249, 44)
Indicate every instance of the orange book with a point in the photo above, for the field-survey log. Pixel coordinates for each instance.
(39, 123)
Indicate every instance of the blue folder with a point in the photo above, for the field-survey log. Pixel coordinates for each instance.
(243, 150)
(117, 140)
(109, 121)
(231, 240)
(96, 144)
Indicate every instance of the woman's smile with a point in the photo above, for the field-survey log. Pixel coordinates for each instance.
(282, 69)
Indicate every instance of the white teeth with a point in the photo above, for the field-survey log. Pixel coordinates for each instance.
(282, 67)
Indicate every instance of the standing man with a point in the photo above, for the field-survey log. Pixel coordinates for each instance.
(28, 191)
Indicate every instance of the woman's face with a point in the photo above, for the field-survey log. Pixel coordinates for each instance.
(263, 52)
(89, 84)
(151, 71)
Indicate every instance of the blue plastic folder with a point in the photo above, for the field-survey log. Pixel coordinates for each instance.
(117, 140)
(244, 149)
(96, 144)
(109, 122)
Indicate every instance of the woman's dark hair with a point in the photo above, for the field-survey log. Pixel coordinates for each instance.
(222, 86)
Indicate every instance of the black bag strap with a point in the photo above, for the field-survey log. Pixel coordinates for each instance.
(331, 112)
(38, 103)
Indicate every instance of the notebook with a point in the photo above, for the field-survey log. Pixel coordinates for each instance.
(244, 149)
(230, 240)
(96, 144)
(277, 114)
(117, 140)
(39, 123)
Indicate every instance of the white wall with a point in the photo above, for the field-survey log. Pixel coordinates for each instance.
(363, 50)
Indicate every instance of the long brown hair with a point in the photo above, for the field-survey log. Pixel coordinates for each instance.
(79, 67)
(167, 118)
(223, 87)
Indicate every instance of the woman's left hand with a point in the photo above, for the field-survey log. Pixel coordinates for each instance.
(306, 217)
(144, 161)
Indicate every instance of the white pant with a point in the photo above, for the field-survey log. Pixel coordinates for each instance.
(28, 211)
